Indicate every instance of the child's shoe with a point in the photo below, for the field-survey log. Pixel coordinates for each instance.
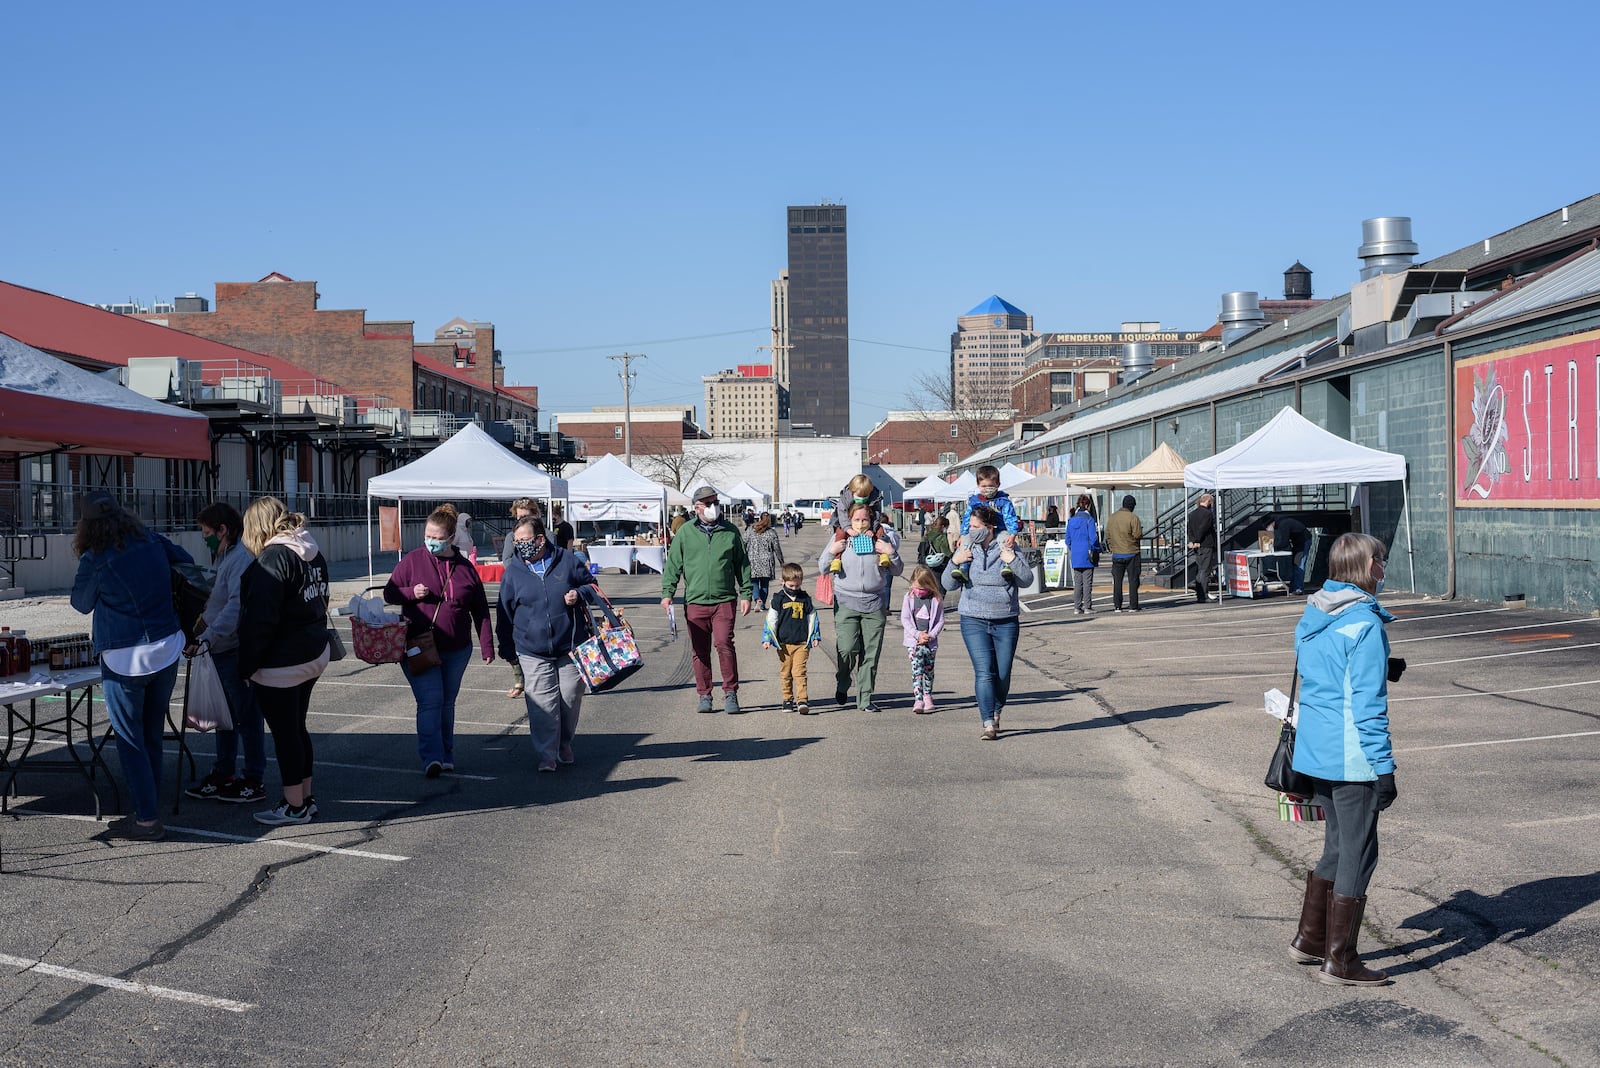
(788, 706)
(959, 574)
(1008, 576)
(916, 705)
(837, 567)
(927, 704)
(883, 560)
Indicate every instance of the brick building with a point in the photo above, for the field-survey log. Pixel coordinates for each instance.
(986, 354)
(657, 429)
(931, 437)
(378, 362)
(746, 401)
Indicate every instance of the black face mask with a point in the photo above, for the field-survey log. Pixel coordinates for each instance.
(528, 550)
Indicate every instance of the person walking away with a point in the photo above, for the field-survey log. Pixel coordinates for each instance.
(921, 621)
(990, 494)
(463, 540)
(124, 580)
(1291, 536)
(1203, 543)
(1083, 542)
(521, 509)
(765, 551)
(1342, 742)
(539, 622)
(283, 643)
(1123, 531)
(793, 629)
(989, 612)
(708, 555)
(863, 565)
(220, 524)
(440, 594)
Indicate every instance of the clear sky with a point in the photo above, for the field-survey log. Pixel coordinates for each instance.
(600, 177)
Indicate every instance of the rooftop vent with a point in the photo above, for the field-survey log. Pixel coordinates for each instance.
(1138, 360)
(1386, 246)
(1241, 315)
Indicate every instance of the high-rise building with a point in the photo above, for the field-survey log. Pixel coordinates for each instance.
(819, 318)
(780, 329)
(986, 355)
(745, 402)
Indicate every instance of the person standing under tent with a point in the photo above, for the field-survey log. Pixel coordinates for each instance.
(1203, 543)
(560, 530)
(1291, 536)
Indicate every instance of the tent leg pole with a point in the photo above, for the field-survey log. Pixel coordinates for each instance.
(1411, 556)
(1222, 571)
(369, 540)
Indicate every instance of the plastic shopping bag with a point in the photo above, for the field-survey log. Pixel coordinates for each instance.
(205, 704)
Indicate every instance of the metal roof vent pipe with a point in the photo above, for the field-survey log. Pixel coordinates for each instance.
(1241, 316)
(1386, 246)
(1138, 360)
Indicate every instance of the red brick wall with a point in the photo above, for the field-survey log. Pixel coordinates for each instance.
(600, 438)
(920, 441)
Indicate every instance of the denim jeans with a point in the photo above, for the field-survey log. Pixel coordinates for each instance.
(137, 708)
(1297, 570)
(991, 643)
(247, 723)
(435, 691)
(758, 589)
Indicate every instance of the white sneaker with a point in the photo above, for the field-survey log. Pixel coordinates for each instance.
(285, 814)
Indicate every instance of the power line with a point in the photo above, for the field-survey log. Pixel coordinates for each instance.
(629, 345)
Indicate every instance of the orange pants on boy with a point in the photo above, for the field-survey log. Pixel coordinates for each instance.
(792, 671)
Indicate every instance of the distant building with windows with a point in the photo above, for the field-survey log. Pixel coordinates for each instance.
(916, 437)
(986, 355)
(816, 297)
(658, 429)
(746, 401)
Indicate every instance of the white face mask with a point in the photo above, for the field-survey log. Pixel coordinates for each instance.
(712, 513)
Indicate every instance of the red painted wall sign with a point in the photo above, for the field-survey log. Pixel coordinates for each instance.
(1527, 426)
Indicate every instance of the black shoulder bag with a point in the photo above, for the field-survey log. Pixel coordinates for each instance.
(1281, 775)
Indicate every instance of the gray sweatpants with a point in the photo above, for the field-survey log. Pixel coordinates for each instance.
(554, 691)
(1083, 588)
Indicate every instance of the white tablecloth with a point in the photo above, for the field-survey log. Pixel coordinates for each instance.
(652, 556)
(608, 556)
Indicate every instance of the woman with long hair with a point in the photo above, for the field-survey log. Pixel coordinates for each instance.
(1083, 540)
(124, 579)
(221, 525)
(989, 610)
(765, 551)
(440, 594)
(1342, 742)
(283, 642)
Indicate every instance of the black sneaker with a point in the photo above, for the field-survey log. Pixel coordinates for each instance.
(209, 787)
(841, 698)
(240, 791)
(433, 770)
(788, 706)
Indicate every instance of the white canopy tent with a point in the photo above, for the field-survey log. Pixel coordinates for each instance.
(925, 489)
(1044, 486)
(610, 489)
(1163, 468)
(1290, 450)
(471, 465)
(745, 491)
(723, 496)
(959, 490)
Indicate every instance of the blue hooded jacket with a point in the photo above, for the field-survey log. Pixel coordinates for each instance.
(1343, 734)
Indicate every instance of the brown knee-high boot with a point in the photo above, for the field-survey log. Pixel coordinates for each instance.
(1343, 965)
(1310, 943)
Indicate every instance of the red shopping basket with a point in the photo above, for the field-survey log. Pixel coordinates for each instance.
(378, 643)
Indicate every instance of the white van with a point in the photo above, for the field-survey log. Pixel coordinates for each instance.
(815, 510)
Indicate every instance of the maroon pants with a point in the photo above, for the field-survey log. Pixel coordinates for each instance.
(712, 624)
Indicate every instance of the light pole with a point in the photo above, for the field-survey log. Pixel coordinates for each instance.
(627, 402)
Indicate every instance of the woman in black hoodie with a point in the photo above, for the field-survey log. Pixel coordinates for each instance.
(283, 642)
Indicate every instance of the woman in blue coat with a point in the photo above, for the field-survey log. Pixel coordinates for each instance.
(1083, 539)
(1342, 742)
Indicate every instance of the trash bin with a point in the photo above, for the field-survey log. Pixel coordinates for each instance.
(1035, 559)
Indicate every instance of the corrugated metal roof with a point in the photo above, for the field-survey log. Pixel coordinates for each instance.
(1580, 278)
(1191, 391)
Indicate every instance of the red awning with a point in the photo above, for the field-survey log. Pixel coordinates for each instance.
(47, 404)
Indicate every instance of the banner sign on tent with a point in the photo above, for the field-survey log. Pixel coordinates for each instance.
(1527, 423)
(388, 528)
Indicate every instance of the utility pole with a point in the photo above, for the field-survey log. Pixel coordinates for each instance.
(627, 377)
(777, 405)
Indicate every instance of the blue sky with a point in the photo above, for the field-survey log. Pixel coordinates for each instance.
(598, 177)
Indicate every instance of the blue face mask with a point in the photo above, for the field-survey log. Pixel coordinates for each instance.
(1379, 587)
(435, 546)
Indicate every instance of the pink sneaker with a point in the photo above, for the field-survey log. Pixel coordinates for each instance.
(916, 705)
(927, 704)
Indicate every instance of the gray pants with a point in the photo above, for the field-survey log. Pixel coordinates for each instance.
(1350, 837)
(1083, 588)
(553, 695)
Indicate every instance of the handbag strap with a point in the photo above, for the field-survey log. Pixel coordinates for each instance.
(1294, 690)
(449, 577)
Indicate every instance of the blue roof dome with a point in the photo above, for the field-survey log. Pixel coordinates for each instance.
(996, 306)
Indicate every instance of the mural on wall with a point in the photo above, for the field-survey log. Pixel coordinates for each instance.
(1527, 423)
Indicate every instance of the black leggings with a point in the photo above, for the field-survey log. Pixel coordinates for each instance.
(284, 709)
(1350, 847)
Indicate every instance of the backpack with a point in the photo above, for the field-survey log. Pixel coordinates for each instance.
(923, 548)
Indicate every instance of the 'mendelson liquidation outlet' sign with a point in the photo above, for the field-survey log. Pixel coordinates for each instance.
(1527, 426)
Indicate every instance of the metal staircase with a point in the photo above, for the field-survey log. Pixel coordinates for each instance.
(1242, 511)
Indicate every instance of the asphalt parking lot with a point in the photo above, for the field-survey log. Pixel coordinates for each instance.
(1107, 884)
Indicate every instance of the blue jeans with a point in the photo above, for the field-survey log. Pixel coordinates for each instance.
(991, 643)
(435, 691)
(247, 724)
(1297, 582)
(137, 708)
(758, 588)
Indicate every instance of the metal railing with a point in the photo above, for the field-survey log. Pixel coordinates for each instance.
(1240, 509)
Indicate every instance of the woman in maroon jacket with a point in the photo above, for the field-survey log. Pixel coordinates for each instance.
(439, 592)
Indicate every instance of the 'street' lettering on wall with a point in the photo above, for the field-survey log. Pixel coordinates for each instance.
(1527, 426)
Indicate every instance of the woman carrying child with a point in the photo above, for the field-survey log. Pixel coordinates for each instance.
(921, 620)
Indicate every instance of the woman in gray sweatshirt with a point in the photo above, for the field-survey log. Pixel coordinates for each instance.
(989, 610)
(870, 556)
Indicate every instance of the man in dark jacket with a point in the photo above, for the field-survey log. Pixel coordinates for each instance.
(1289, 535)
(1203, 543)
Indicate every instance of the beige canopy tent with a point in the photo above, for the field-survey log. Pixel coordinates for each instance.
(1162, 468)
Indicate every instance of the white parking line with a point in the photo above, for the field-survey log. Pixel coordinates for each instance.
(411, 719)
(127, 985)
(1425, 663)
(404, 686)
(1459, 694)
(1496, 630)
(1497, 741)
(1557, 819)
(201, 755)
(286, 843)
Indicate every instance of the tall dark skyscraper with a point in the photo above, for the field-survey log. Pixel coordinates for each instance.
(819, 318)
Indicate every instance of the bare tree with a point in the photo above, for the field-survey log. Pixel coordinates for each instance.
(680, 470)
(933, 398)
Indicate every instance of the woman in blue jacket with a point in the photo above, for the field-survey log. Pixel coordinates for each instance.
(1083, 539)
(538, 624)
(1342, 742)
(125, 579)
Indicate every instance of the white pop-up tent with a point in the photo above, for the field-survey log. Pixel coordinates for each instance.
(470, 465)
(744, 491)
(1293, 451)
(925, 490)
(959, 490)
(610, 489)
(1162, 468)
(723, 496)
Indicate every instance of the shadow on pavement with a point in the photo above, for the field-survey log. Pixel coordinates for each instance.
(1468, 921)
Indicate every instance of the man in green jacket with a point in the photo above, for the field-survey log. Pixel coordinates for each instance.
(709, 555)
